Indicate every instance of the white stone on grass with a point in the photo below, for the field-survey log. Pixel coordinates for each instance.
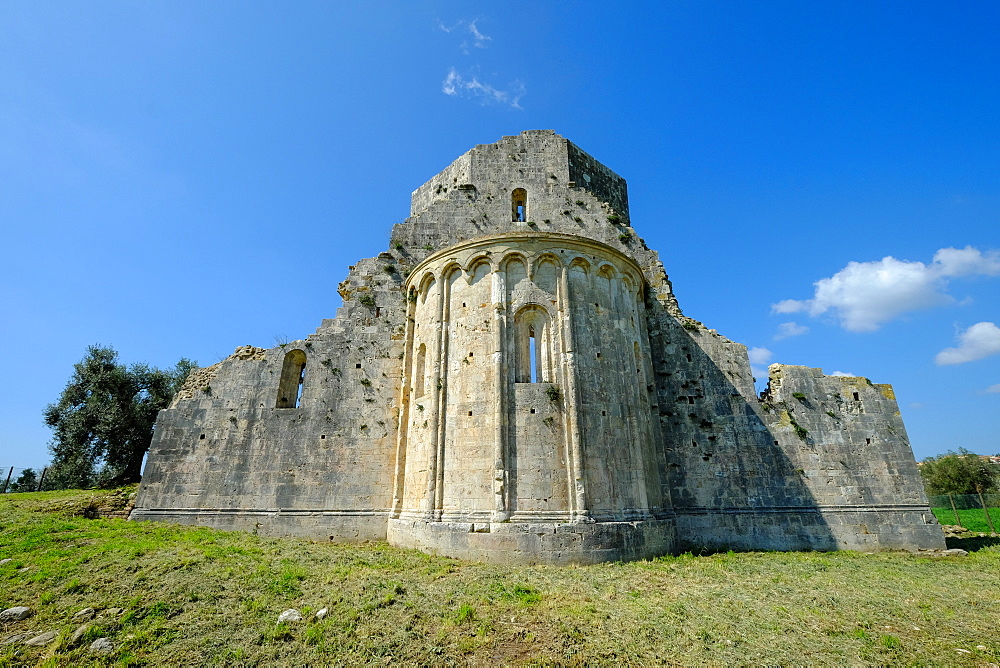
(290, 615)
(320, 614)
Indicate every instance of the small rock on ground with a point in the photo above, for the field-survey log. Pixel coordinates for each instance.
(102, 646)
(78, 634)
(5, 561)
(15, 614)
(42, 640)
(86, 613)
(290, 615)
(320, 614)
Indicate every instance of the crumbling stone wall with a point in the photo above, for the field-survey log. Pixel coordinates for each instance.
(513, 380)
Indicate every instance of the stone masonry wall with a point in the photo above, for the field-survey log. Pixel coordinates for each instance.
(682, 452)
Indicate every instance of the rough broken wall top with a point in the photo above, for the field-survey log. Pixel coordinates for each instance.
(536, 160)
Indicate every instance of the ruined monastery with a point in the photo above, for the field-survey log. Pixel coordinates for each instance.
(513, 381)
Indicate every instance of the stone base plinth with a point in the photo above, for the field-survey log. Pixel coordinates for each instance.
(542, 543)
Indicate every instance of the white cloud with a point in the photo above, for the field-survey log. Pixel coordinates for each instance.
(789, 329)
(846, 374)
(480, 38)
(457, 85)
(978, 341)
(865, 295)
(759, 358)
(993, 389)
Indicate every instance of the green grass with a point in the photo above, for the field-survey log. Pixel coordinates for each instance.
(973, 519)
(195, 596)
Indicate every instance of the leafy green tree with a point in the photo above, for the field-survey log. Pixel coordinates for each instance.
(26, 482)
(959, 472)
(103, 421)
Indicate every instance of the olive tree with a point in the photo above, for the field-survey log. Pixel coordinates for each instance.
(103, 420)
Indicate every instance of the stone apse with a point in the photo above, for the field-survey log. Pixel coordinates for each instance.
(514, 381)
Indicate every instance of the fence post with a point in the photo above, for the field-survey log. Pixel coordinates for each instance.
(989, 520)
(950, 498)
(9, 474)
(41, 479)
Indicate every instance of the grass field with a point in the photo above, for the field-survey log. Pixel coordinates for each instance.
(202, 597)
(973, 519)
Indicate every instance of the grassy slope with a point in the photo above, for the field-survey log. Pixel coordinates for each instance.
(197, 596)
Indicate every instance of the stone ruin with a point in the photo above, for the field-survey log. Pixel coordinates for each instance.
(513, 381)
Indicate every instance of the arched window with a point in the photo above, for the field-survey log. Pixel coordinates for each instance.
(418, 372)
(533, 346)
(293, 372)
(519, 205)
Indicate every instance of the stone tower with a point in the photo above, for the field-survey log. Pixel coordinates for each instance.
(514, 381)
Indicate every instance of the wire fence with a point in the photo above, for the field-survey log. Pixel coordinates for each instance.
(17, 479)
(975, 512)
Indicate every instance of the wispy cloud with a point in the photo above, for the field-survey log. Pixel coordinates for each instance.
(993, 389)
(866, 295)
(480, 38)
(846, 374)
(456, 85)
(466, 82)
(787, 330)
(463, 27)
(978, 341)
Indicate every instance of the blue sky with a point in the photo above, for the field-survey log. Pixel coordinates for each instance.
(821, 179)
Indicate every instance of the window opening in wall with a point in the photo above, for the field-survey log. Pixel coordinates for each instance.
(418, 374)
(532, 410)
(519, 205)
(357, 366)
(202, 437)
(856, 397)
(293, 373)
(868, 441)
(532, 346)
(470, 412)
(532, 355)
(298, 390)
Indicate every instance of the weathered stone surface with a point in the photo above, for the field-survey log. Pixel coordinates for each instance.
(16, 614)
(42, 640)
(78, 635)
(513, 381)
(321, 613)
(290, 615)
(102, 646)
(86, 613)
